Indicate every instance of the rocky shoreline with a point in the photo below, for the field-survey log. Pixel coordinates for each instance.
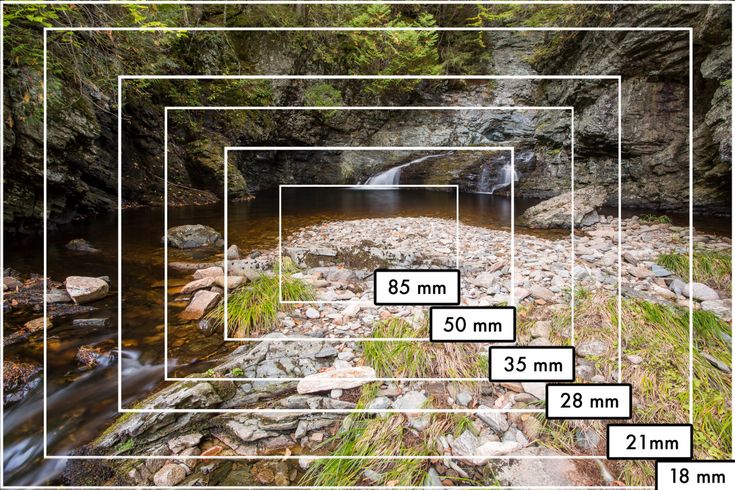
(336, 259)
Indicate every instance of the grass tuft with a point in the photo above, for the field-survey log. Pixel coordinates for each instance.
(420, 359)
(710, 267)
(253, 310)
(654, 218)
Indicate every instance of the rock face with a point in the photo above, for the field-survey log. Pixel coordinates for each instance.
(557, 211)
(86, 289)
(193, 236)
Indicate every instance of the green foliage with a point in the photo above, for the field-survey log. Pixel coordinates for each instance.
(653, 218)
(253, 310)
(399, 52)
(710, 267)
(323, 95)
(237, 373)
(125, 446)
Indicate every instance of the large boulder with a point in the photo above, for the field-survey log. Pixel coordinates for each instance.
(557, 211)
(193, 236)
(86, 289)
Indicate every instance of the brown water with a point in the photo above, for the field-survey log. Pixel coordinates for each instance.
(80, 403)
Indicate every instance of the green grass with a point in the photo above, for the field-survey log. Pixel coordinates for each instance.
(253, 310)
(125, 446)
(419, 359)
(655, 219)
(660, 335)
(710, 267)
(363, 436)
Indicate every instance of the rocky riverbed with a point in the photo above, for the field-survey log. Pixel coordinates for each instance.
(336, 259)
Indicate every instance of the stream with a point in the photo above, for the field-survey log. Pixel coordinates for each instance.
(82, 403)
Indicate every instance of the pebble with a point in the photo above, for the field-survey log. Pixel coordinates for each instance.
(312, 313)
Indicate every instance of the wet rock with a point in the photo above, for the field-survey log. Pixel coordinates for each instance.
(170, 475)
(81, 245)
(57, 296)
(342, 379)
(556, 212)
(19, 379)
(202, 302)
(208, 327)
(11, 283)
(91, 356)
(91, 322)
(26, 331)
(86, 289)
(193, 236)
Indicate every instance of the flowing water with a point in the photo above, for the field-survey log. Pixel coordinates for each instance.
(392, 176)
(81, 403)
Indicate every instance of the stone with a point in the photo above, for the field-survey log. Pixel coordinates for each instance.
(379, 403)
(553, 470)
(201, 303)
(540, 292)
(86, 289)
(193, 236)
(208, 272)
(233, 282)
(641, 273)
(722, 308)
(630, 258)
(351, 310)
(233, 252)
(716, 363)
(11, 282)
(170, 475)
(432, 479)
(536, 389)
(57, 296)
(91, 322)
(312, 313)
(634, 359)
(702, 292)
(542, 328)
(557, 211)
(678, 286)
(198, 284)
(587, 439)
(659, 271)
(81, 245)
(333, 379)
(178, 444)
(522, 293)
(591, 348)
(411, 401)
(465, 445)
(464, 398)
(495, 420)
(492, 449)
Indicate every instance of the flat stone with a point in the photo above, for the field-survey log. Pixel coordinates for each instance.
(410, 401)
(529, 470)
(722, 308)
(86, 289)
(58, 296)
(203, 283)
(591, 348)
(202, 302)
(312, 313)
(342, 379)
(541, 292)
(495, 420)
(702, 292)
(208, 272)
(659, 271)
(178, 444)
(91, 322)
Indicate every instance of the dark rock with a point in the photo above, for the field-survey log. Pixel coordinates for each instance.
(91, 322)
(193, 236)
(82, 245)
(19, 379)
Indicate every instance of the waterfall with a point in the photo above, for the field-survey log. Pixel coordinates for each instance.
(483, 185)
(392, 176)
(506, 174)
